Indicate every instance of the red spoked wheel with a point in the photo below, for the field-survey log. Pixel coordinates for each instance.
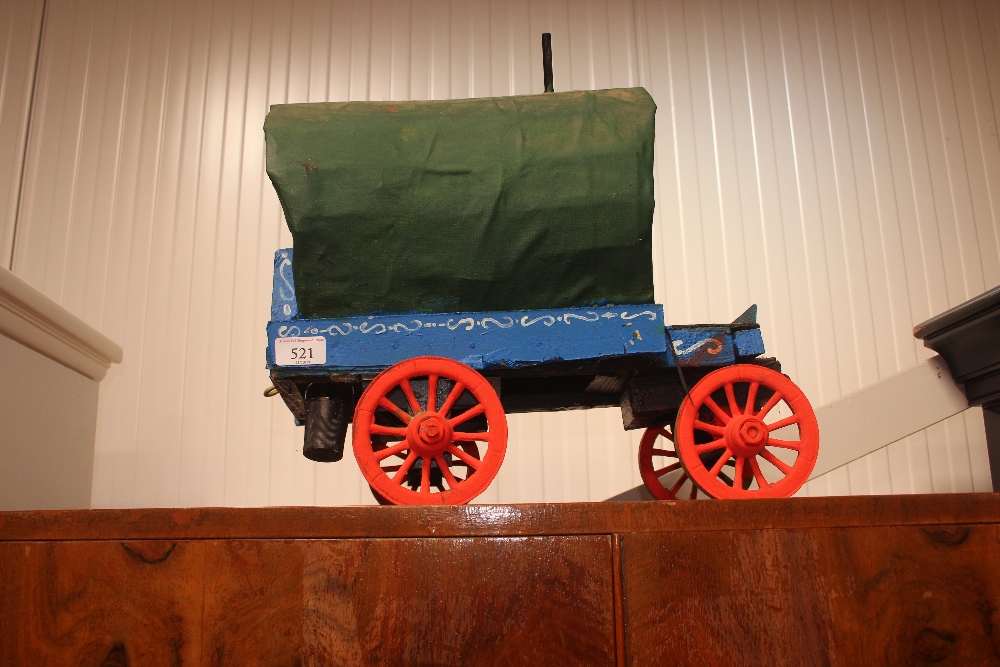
(419, 431)
(756, 420)
(660, 467)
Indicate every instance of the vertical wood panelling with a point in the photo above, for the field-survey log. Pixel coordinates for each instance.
(835, 162)
(20, 32)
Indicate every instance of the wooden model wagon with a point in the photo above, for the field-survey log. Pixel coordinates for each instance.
(428, 394)
(455, 261)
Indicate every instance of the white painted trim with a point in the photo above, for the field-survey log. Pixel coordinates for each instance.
(38, 322)
(876, 416)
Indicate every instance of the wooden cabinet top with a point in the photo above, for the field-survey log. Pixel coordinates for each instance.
(498, 520)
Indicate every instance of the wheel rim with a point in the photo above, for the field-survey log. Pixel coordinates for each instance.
(420, 429)
(755, 420)
(658, 462)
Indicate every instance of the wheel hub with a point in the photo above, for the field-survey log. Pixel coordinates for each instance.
(746, 435)
(429, 434)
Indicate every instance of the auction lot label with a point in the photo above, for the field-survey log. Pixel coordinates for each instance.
(300, 351)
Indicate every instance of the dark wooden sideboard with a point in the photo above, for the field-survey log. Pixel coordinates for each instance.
(893, 580)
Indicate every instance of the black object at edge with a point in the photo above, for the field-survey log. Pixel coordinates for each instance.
(968, 338)
(749, 316)
(327, 415)
(963, 313)
(547, 61)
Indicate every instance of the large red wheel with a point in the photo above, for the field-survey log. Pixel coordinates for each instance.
(419, 431)
(755, 419)
(658, 465)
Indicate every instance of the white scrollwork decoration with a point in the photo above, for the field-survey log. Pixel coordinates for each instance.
(581, 317)
(503, 325)
(547, 320)
(626, 316)
(467, 321)
(334, 327)
(712, 349)
(399, 325)
(285, 262)
(488, 323)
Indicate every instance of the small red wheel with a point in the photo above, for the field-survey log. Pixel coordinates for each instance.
(756, 417)
(655, 473)
(418, 429)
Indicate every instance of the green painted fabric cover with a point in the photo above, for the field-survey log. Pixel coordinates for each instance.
(509, 203)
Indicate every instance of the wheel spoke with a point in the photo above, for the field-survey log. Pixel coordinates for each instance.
(664, 452)
(667, 434)
(751, 397)
(469, 460)
(784, 444)
(410, 396)
(758, 475)
(726, 455)
(775, 461)
(694, 491)
(710, 446)
(460, 436)
(787, 421)
(425, 474)
(677, 486)
(773, 401)
(394, 409)
(446, 472)
(453, 395)
(405, 468)
(432, 388)
(669, 468)
(378, 429)
(740, 460)
(463, 463)
(714, 407)
(467, 415)
(383, 454)
(711, 428)
(731, 398)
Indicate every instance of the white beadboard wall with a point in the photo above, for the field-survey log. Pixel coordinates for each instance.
(835, 161)
(20, 28)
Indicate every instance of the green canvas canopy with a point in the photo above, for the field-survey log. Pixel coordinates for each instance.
(509, 203)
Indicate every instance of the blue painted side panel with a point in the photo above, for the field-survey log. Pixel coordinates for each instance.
(749, 343)
(700, 346)
(480, 340)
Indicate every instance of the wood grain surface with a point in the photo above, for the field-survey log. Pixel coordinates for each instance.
(504, 601)
(848, 596)
(100, 603)
(496, 520)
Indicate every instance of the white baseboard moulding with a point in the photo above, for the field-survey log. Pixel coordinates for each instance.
(37, 322)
